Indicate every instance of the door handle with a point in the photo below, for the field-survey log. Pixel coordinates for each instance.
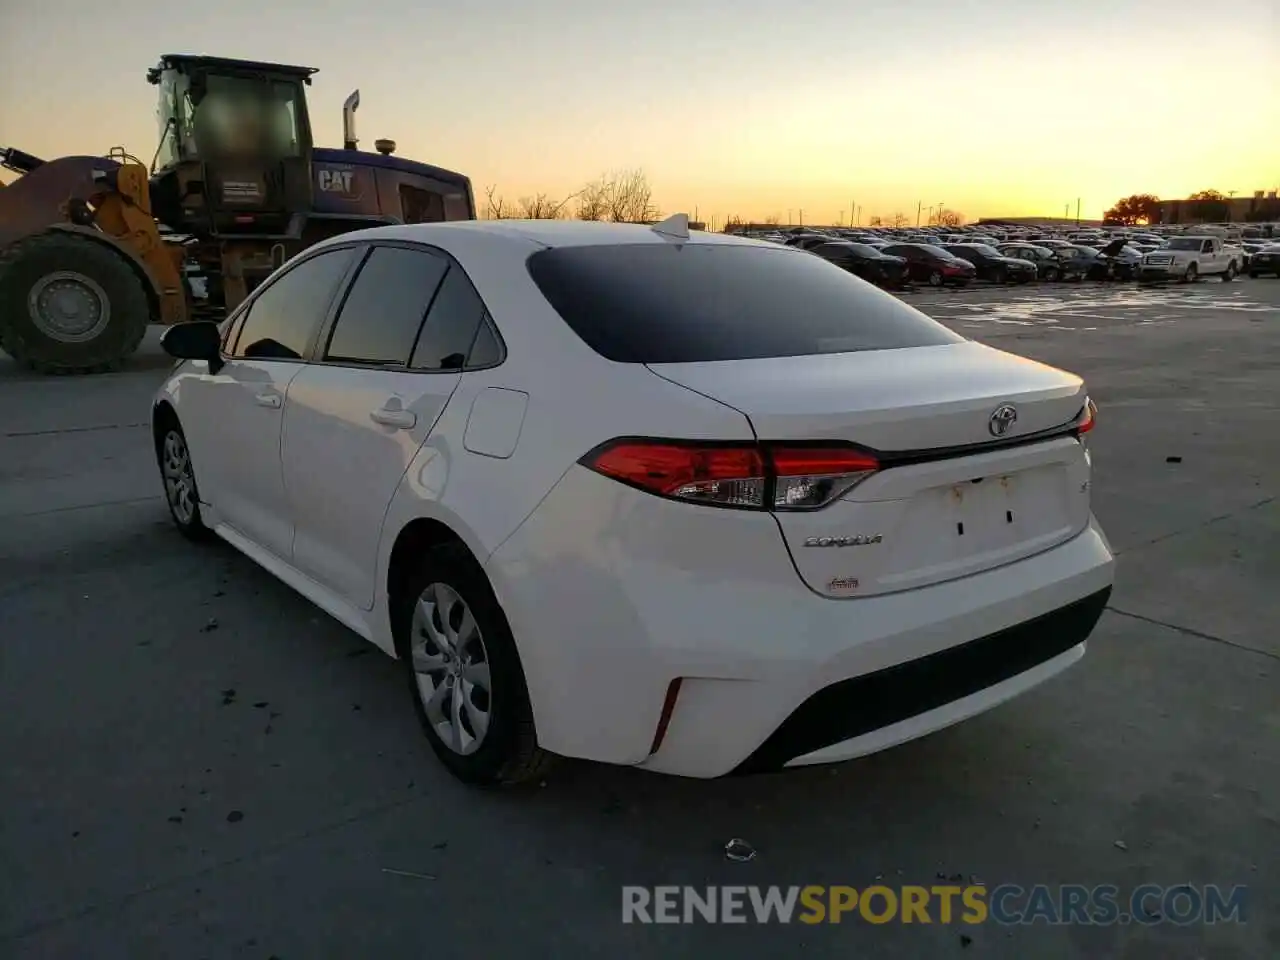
(398, 419)
(271, 400)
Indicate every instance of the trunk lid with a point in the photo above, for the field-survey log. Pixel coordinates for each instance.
(952, 498)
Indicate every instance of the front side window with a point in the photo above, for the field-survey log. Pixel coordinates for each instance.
(285, 317)
(381, 316)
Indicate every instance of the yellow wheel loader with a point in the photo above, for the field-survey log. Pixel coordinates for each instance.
(93, 249)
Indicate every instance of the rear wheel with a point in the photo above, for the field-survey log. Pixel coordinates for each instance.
(935, 278)
(464, 671)
(69, 304)
(1230, 273)
(1052, 275)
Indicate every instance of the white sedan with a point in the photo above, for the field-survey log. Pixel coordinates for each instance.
(686, 502)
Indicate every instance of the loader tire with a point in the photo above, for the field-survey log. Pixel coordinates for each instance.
(69, 304)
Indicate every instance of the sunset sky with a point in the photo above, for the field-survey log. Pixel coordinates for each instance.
(746, 107)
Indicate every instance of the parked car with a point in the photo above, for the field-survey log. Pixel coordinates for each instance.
(1188, 258)
(993, 265)
(523, 458)
(866, 262)
(807, 241)
(1049, 265)
(927, 263)
(1264, 261)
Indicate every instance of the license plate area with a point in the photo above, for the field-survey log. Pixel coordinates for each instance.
(960, 528)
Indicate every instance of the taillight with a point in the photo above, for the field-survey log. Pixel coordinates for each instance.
(768, 476)
(1088, 417)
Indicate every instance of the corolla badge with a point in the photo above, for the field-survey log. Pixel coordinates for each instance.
(1002, 419)
(861, 540)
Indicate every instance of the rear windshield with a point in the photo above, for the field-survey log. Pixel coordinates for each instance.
(669, 303)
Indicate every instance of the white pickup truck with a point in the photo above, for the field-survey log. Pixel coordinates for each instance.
(1190, 258)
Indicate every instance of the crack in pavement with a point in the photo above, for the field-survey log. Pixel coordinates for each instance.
(60, 430)
(1192, 529)
(84, 506)
(1196, 633)
(115, 903)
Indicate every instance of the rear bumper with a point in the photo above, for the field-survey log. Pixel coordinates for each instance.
(610, 601)
(862, 714)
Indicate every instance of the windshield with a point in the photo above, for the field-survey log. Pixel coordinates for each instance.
(936, 251)
(239, 116)
(1183, 243)
(692, 303)
(985, 249)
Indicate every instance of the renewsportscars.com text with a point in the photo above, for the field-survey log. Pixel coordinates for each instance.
(1065, 904)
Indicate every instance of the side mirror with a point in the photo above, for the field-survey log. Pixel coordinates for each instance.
(196, 340)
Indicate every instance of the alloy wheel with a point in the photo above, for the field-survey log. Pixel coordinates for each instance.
(451, 667)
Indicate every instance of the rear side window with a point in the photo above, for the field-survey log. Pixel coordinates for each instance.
(457, 313)
(380, 320)
(668, 303)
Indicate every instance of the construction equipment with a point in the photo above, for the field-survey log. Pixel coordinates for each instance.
(92, 249)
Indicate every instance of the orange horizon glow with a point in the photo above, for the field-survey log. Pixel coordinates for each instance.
(732, 109)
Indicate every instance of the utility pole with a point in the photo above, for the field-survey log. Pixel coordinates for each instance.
(802, 216)
(1066, 211)
(859, 216)
(852, 207)
(918, 204)
(841, 220)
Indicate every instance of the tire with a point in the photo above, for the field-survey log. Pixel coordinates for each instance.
(1052, 275)
(935, 278)
(95, 282)
(1192, 274)
(1253, 274)
(1230, 273)
(178, 477)
(506, 751)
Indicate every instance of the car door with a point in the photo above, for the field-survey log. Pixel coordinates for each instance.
(356, 417)
(233, 418)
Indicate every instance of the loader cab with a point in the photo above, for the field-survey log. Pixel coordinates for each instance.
(235, 151)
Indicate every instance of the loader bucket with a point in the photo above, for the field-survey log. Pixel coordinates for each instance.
(37, 200)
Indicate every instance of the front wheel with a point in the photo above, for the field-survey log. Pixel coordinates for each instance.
(1192, 274)
(464, 672)
(1052, 275)
(935, 278)
(70, 304)
(180, 490)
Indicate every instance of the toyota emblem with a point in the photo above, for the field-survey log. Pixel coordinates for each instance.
(1002, 420)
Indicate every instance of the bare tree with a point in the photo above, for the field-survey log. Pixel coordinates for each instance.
(899, 220)
(593, 200)
(875, 222)
(542, 207)
(949, 218)
(628, 198)
(733, 224)
(498, 208)
(772, 221)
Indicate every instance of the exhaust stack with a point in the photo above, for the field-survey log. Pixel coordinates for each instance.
(349, 139)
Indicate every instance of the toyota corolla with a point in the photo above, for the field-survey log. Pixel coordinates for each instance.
(644, 496)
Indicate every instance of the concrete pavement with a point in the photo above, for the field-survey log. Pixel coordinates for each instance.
(194, 762)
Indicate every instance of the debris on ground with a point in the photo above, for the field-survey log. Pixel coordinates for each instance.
(409, 873)
(739, 851)
(1121, 845)
(210, 626)
(1172, 459)
(235, 816)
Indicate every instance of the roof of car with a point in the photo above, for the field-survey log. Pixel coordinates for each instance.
(546, 233)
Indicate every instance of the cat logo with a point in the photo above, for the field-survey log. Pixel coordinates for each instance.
(336, 181)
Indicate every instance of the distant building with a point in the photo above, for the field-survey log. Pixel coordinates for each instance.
(1262, 205)
(1037, 222)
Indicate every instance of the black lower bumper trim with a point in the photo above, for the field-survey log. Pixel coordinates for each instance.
(862, 704)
